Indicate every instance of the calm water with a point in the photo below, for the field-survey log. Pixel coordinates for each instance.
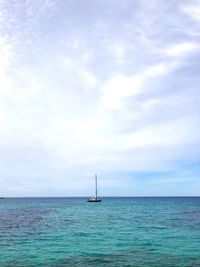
(58, 232)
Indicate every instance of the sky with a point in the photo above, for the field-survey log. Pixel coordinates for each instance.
(104, 86)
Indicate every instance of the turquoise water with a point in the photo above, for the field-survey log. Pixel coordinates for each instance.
(57, 232)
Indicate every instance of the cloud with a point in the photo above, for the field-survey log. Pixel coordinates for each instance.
(120, 87)
(87, 78)
(6, 54)
(192, 9)
(182, 49)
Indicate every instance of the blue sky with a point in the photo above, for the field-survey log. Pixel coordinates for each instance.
(108, 87)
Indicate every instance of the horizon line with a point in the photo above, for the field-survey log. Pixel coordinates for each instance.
(99, 196)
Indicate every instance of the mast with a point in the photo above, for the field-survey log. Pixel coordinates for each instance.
(96, 186)
(95, 198)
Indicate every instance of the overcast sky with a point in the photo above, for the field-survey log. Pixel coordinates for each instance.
(103, 86)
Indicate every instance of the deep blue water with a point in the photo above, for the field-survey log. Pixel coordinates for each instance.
(57, 232)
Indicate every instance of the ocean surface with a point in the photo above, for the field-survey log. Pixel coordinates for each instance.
(57, 232)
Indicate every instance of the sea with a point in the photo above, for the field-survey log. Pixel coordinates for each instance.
(119, 231)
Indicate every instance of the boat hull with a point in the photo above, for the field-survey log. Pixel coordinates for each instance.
(94, 200)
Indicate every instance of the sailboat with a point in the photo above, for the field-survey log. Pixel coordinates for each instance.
(95, 199)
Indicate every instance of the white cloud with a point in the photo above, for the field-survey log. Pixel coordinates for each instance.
(159, 69)
(119, 52)
(6, 53)
(174, 132)
(181, 49)
(88, 78)
(192, 9)
(118, 88)
(176, 179)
